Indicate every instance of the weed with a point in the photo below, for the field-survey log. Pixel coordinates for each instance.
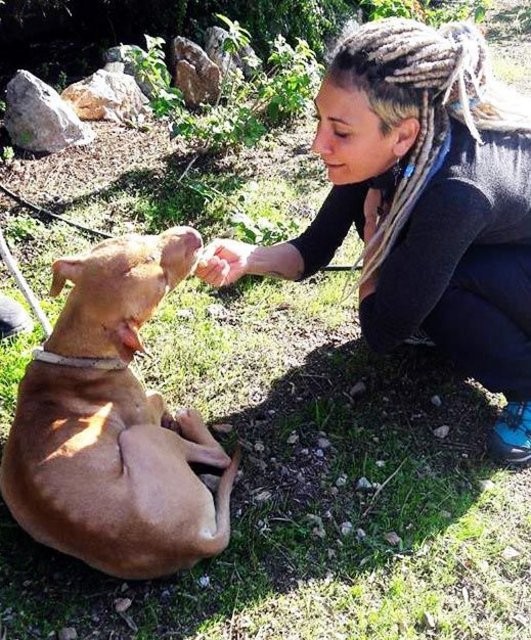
(433, 12)
(7, 155)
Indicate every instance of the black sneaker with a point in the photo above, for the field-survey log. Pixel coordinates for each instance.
(13, 318)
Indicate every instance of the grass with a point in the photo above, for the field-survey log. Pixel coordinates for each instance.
(437, 547)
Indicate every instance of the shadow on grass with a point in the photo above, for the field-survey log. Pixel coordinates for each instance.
(173, 196)
(179, 193)
(298, 508)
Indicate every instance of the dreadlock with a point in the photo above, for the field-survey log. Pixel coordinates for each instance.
(408, 69)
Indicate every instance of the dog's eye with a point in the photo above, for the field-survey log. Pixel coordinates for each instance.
(151, 258)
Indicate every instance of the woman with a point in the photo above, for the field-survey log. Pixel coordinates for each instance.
(434, 171)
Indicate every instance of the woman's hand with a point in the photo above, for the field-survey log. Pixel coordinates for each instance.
(224, 261)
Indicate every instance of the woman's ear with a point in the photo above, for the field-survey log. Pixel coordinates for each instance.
(406, 135)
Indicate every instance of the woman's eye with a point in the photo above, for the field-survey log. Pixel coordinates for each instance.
(340, 134)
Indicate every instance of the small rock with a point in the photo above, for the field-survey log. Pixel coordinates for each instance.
(429, 620)
(486, 485)
(521, 619)
(259, 447)
(323, 443)
(341, 481)
(293, 438)
(358, 389)
(122, 604)
(393, 538)
(204, 582)
(510, 553)
(216, 311)
(185, 313)
(263, 496)
(331, 554)
(334, 491)
(319, 453)
(380, 463)
(346, 528)
(360, 534)
(67, 633)
(436, 401)
(442, 431)
(223, 427)
(363, 484)
(446, 514)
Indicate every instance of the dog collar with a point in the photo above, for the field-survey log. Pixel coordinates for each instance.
(110, 364)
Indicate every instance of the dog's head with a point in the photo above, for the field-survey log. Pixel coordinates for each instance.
(121, 281)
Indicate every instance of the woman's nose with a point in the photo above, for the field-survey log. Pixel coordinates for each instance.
(321, 143)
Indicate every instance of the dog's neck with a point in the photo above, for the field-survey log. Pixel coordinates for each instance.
(76, 336)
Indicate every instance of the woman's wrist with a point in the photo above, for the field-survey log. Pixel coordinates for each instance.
(279, 260)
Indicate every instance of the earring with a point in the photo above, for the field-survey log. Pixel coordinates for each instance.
(397, 170)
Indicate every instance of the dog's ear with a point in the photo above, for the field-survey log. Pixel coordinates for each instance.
(64, 269)
(129, 338)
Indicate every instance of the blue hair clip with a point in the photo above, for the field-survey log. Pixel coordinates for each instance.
(457, 106)
(409, 171)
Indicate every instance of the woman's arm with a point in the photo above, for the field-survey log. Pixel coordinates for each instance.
(225, 261)
(279, 260)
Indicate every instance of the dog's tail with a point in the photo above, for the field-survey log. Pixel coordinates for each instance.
(220, 540)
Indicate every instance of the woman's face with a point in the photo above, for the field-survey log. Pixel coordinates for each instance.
(348, 138)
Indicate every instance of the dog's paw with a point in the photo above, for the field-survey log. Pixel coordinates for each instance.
(189, 418)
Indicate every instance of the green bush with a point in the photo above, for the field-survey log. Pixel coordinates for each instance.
(311, 20)
(109, 22)
(434, 12)
(246, 108)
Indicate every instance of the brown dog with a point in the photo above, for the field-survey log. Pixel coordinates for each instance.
(87, 468)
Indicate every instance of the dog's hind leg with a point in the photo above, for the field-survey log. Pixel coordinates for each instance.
(193, 428)
(201, 444)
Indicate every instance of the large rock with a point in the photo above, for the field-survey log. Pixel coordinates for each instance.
(130, 55)
(106, 95)
(245, 60)
(37, 119)
(194, 73)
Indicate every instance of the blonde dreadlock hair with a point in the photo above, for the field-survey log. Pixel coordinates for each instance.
(408, 69)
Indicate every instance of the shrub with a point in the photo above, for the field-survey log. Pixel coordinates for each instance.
(434, 12)
(245, 108)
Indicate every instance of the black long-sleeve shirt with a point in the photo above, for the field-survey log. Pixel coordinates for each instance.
(480, 195)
